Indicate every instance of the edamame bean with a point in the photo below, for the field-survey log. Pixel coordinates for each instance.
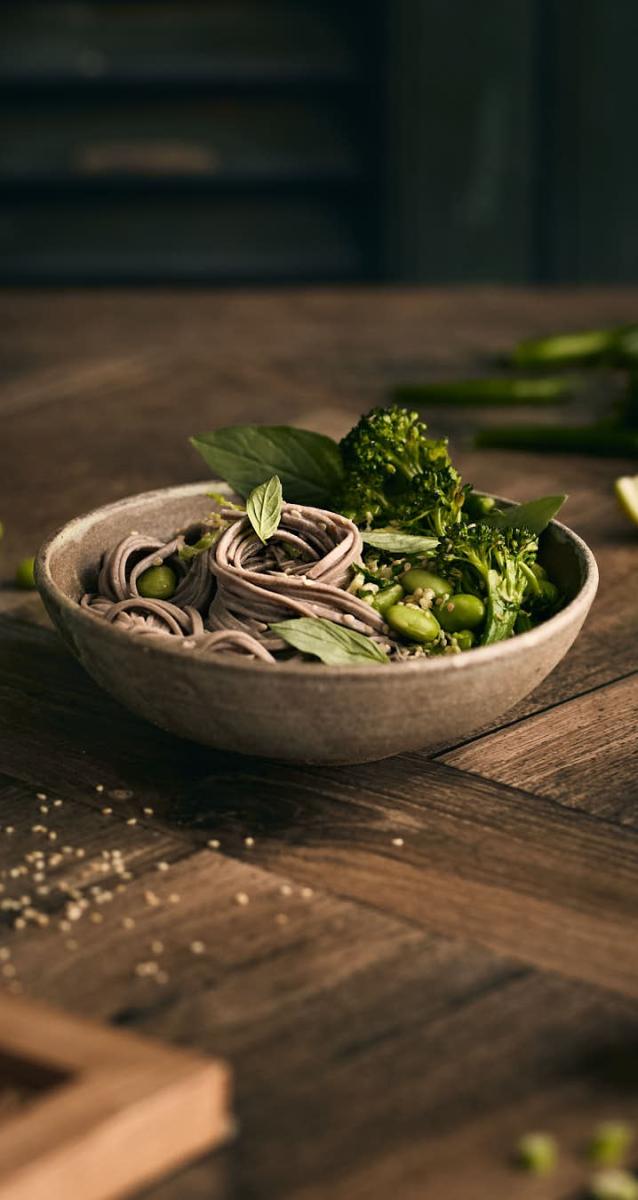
(384, 599)
(462, 611)
(417, 578)
(157, 583)
(24, 574)
(416, 624)
(464, 639)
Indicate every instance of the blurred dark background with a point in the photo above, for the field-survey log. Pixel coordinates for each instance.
(267, 140)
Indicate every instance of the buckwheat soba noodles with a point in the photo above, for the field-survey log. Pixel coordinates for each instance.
(228, 595)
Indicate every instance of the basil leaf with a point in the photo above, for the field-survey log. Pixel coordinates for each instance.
(263, 508)
(308, 464)
(399, 543)
(332, 643)
(535, 515)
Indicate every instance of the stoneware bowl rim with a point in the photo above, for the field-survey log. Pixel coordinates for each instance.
(520, 644)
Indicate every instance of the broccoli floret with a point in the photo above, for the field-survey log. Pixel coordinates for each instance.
(498, 561)
(396, 475)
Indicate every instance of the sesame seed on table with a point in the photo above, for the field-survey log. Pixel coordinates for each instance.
(408, 964)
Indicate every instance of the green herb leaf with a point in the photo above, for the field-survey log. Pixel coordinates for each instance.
(535, 515)
(332, 643)
(263, 508)
(308, 464)
(396, 542)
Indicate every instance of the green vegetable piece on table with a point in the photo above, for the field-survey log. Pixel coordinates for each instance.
(415, 624)
(487, 391)
(25, 577)
(331, 643)
(603, 440)
(586, 348)
(613, 1185)
(537, 1153)
(626, 489)
(610, 1143)
(263, 508)
(417, 578)
(461, 611)
(157, 583)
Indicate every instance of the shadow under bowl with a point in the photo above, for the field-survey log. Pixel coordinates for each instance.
(297, 711)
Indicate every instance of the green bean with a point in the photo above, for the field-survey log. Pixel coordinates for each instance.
(416, 578)
(592, 346)
(25, 577)
(415, 624)
(603, 440)
(462, 611)
(157, 583)
(487, 391)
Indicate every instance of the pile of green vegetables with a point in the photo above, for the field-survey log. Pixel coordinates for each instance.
(442, 563)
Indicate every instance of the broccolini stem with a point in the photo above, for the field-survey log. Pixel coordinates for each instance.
(617, 345)
(606, 441)
(487, 391)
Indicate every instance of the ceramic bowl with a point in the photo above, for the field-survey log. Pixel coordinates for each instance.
(302, 712)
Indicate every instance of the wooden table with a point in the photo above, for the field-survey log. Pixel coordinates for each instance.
(408, 964)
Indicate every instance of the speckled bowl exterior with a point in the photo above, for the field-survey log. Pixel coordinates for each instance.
(301, 712)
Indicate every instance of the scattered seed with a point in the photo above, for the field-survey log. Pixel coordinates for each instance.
(307, 892)
(249, 841)
(40, 795)
(107, 811)
(157, 947)
(285, 889)
(174, 898)
(120, 794)
(397, 841)
(213, 843)
(281, 919)
(242, 898)
(44, 808)
(99, 787)
(132, 821)
(57, 803)
(151, 899)
(128, 922)
(162, 866)
(9, 829)
(197, 947)
(148, 812)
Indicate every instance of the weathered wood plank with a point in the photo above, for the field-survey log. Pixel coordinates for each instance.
(583, 753)
(340, 1020)
(474, 859)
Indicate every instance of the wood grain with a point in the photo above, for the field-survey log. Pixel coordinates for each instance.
(583, 753)
(435, 955)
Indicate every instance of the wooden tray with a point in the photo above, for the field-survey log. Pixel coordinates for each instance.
(91, 1113)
